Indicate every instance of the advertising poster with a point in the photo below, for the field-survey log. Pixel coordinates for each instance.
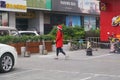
(89, 6)
(89, 23)
(65, 5)
(73, 21)
(13, 5)
(39, 4)
(76, 6)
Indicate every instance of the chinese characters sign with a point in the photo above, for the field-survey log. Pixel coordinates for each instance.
(13, 5)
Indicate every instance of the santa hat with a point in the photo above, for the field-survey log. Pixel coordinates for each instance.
(59, 27)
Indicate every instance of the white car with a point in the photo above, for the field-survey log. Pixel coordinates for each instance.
(7, 30)
(8, 57)
(28, 33)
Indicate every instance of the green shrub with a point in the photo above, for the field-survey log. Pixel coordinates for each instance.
(6, 39)
(76, 32)
(16, 39)
(93, 33)
(47, 37)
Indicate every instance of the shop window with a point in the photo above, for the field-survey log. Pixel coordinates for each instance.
(22, 24)
(97, 22)
(57, 19)
(89, 23)
(73, 20)
(47, 28)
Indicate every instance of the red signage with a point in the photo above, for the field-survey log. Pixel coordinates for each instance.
(109, 19)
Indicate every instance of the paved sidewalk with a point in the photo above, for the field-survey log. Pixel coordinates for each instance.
(77, 54)
(101, 66)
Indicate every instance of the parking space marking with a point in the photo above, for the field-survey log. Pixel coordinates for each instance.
(94, 57)
(71, 58)
(97, 75)
(91, 75)
(22, 72)
(107, 75)
(86, 78)
(89, 57)
(16, 73)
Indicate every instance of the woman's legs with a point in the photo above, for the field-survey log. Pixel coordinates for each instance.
(58, 50)
(61, 50)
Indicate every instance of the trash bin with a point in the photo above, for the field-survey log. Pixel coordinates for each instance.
(42, 50)
(89, 49)
(89, 52)
(24, 52)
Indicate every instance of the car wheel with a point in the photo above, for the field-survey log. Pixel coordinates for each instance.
(6, 63)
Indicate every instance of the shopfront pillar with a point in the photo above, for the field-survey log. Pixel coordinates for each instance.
(12, 20)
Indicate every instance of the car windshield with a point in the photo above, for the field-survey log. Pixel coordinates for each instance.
(13, 32)
(28, 34)
(4, 32)
(8, 31)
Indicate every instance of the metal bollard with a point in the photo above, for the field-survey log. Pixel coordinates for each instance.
(23, 50)
(40, 49)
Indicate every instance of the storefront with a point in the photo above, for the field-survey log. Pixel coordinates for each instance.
(22, 19)
(8, 9)
(76, 13)
(110, 19)
(35, 18)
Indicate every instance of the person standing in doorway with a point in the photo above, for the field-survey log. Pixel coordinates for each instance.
(59, 42)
